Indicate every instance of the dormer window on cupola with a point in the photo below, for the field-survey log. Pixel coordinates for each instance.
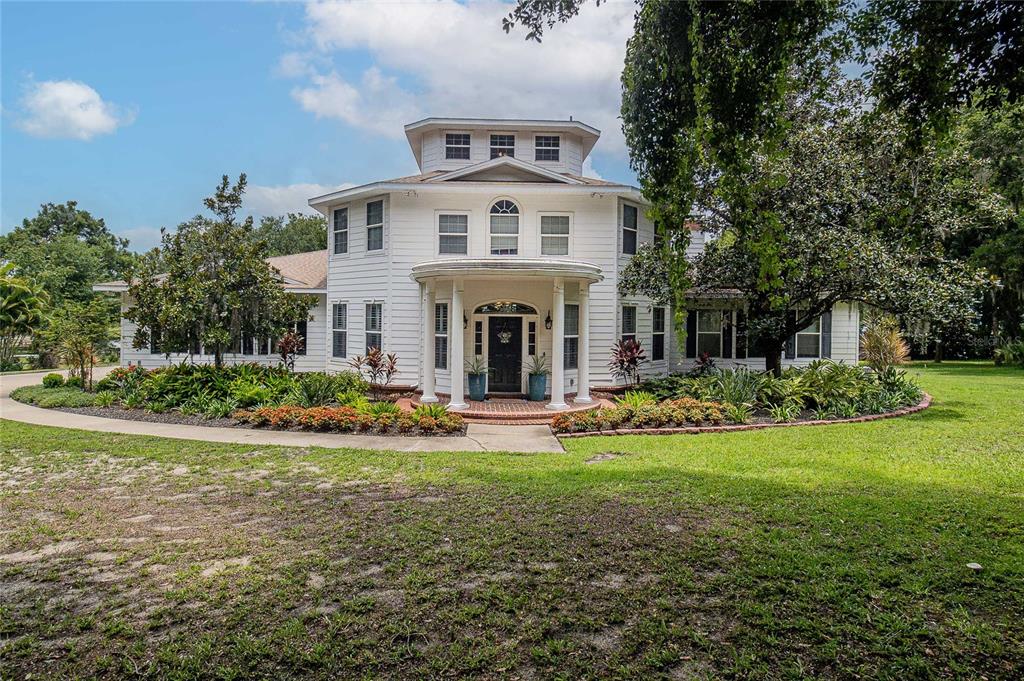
(456, 146)
(503, 145)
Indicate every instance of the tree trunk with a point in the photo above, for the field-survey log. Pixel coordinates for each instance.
(938, 352)
(218, 356)
(773, 361)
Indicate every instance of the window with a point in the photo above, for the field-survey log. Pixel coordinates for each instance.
(658, 335)
(375, 225)
(441, 336)
(546, 147)
(339, 326)
(453, 234)
(572, 336)
(456, 146)
(478, 338)
(709, 332)
(504, 228)
(374, 321)
(503, 145)
(629, 215)
(629, 322)
(808, 341)
(554, 235)
(531, 339)
(340, 230)
(300, 328)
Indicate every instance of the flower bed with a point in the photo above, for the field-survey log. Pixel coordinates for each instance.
(823, 392)
(349, 419)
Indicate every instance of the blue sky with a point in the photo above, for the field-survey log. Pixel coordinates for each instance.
(136, 109)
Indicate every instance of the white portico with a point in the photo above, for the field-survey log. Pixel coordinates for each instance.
(510, 309)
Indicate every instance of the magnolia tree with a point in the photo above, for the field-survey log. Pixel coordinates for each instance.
(210, 284)
(858, 219)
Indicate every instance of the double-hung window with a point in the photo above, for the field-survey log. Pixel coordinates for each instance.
(478, 338)
(441, 336)
(375, 225)
(658, 334)
(340, 224)
(504, 228)
(808, 341)
(456, 146)
(572, 336)
(374, 325)
(339, 330)
(629, 322)
(301, 328)
(503, 145)
(531, 339)
(546, 147)
(554, 235)
(453, 234)
(709, 332)
(629, 229)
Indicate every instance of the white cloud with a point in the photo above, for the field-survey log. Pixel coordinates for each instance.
(286, 198)
(589, 171)
(69, 109)
(141, 239)
(446, 58)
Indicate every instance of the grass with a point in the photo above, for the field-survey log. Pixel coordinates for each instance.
(51, 398)
(836, 551)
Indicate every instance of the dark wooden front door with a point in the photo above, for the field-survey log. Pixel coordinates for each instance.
(505, 353)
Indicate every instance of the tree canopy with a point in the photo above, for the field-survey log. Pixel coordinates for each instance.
(210, 284)
(294, 233)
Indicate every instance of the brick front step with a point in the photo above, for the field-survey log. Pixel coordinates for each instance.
(513, 411)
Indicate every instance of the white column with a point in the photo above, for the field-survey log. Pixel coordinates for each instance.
(456, 336)
(558, 347)
(583, 372)
(429, 383)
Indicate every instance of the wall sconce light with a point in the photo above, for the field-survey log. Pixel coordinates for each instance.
(465, 321)
(547, 321)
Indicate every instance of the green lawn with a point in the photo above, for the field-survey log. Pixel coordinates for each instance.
(836, 551)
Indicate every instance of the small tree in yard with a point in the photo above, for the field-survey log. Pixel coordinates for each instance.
(289, 346)
(210, 284)
(78, 331)
(21, 312)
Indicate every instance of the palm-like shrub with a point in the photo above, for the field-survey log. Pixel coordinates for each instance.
(637, 399)
(21, 312)
(882, 345)
(627, 356)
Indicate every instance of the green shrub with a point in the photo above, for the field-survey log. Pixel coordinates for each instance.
(1011, 353)
(313, 390)
(51, 398)
(351, 398)
(105, 399)
(433, 411)
(637, 398)
(75, 382)
(345, 419)
(247, 392)
(53, 381)
(381, 408)
(738, 413)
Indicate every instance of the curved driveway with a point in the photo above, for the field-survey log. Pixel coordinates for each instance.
(478, 438)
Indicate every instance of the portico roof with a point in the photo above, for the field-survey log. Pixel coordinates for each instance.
(485, 268)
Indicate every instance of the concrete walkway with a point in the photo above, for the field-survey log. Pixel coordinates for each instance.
(478, 438)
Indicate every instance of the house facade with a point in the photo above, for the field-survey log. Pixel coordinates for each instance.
(500, 249)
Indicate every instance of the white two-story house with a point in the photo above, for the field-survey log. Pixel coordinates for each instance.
(501, 249)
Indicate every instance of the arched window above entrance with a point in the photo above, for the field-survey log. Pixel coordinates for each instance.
(502, 307)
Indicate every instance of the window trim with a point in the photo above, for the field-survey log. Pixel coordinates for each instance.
(557, 148)
(566, 336)
(804, 332)
(437, 230)
(367, 226)
(438, 334)
(540, 232)
(335, 231)
(721, 319)
(367, 331)
(491, 147)
(519, 227)
(468, 146)
(623, 229)
(655, 333)
(335, 329)
(623, 333)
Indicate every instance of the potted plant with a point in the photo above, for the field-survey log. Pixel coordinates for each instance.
(476, 369)
(537, 368)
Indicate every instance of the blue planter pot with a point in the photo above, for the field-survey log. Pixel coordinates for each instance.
(538, 384)
(477, 385)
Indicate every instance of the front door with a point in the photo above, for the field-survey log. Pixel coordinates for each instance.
(505, 353)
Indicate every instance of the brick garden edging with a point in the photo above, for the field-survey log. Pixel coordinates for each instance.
(925, 402)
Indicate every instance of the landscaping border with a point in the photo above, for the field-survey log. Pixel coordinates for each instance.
(925, 402)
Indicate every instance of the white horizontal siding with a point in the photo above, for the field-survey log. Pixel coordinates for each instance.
(432, 149)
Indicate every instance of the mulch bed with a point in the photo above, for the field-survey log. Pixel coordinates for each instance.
(197, 420)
